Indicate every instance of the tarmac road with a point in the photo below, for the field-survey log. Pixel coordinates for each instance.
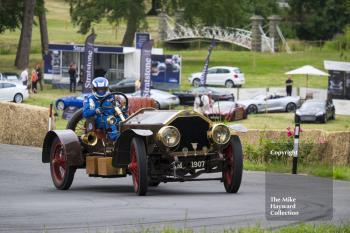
(30, 203)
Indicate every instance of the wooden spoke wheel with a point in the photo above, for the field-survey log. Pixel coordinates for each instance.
(138, 166)
(233, 167)
(61, 173)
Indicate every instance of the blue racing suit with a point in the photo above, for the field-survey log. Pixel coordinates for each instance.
(91, 104)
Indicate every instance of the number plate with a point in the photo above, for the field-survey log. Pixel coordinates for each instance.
(197, 164)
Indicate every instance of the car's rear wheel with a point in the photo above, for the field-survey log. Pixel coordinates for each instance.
(196, 82)
(60, 105)
(252, 109)
(291, 107)
(233, 167)
(138, 166)
(229, 84)
(61, 173)
(18, 98)
(157, 105)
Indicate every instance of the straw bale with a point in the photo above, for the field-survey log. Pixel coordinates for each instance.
(22, 124)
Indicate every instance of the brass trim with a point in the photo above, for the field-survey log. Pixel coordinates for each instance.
(211, 131)
(161, 139)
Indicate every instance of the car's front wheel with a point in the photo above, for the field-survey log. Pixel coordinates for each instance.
(61, 173)
(291, 107)
(138, 166)
(18, 98)
(233, 167)
(196, 82)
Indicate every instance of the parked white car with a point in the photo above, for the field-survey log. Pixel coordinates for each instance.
(164, 100)
(13, 91)
(220, 75)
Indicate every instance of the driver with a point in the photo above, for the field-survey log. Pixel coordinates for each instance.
(92, 107)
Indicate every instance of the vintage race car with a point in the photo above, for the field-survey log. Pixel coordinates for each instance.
(226, 111)
(154, 146)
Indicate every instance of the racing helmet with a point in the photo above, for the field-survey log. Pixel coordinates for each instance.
(100, 87)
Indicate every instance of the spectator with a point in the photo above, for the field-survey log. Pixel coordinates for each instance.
(72, 77)
(40, 75)
(198, 103)
(34, 78)
(24, 77)
(207, 102)
(81, 76)
(289, 86)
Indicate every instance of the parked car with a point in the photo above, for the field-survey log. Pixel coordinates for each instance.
(271, 103)
(68, 101)
(226, 111)
(164, 100)
(314, 110)
(187, 97)
(154, 146)
(13, 91)
(10, 76)
(220, 75)
(124, 86)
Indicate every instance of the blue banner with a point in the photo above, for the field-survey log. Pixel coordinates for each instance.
(206, 64)
(166, 71)
(146, 66)
(88, 63)
(140, 38)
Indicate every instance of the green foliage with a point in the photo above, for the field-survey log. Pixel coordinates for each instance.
(319, 20)
(10, 14)
(86, 12)
(225, 13)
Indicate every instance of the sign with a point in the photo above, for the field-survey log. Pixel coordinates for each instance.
(88, 73)
(206, 64)
(146, 65)
(140, 38)
(166, 71)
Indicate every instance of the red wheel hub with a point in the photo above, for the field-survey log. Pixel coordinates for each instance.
(229, 166)
(59, 163)
(133, 168)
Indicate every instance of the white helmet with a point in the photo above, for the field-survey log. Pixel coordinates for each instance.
(100, 87)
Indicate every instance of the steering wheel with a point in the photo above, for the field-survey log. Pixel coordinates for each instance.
(114, 94)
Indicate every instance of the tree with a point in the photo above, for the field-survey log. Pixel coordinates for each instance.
(319, 20)
(22, 56)
(10, 14)
(86, 12)
(41, 13)
(224, 13)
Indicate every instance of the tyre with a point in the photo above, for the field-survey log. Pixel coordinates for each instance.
(229, 84)
(196, 82)
(62, 175)
(233, 167)
(18, 98)
(291, 107)
(252, 109)
(138, 166)
(77, 123)
(157, 105)
(60, 105)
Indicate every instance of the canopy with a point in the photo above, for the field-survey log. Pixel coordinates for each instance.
(308, 70)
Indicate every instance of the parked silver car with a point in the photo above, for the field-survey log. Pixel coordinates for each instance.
(271, 103)
(164, 100)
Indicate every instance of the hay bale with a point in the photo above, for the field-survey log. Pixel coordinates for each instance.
(22, 124)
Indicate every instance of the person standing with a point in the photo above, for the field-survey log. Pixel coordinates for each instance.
(289, 86)
(34, 78)
(72, 77)
(40, 76)
(24, 77)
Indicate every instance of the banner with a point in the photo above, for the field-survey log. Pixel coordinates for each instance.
(166, 71)
(88, 73)
(206, 64)
(146, 66)
(140, 38)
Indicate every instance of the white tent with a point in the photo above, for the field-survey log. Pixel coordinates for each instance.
(307, 70)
